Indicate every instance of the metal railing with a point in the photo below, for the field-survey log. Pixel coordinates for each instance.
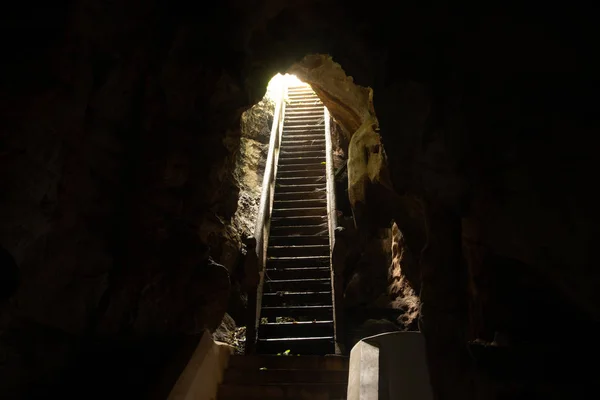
(263, 220)
(336, 281)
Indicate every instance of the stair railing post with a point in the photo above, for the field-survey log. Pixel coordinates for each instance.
(263, 220)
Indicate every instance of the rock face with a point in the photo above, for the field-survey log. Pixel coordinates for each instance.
(247, 177)
(369, 183)
(351, 105)
(254, 146)
(120, 134)
(402, 294)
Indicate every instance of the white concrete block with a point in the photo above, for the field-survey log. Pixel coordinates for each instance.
(390, 366)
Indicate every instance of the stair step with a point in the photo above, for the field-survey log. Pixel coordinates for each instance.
(303, 135)
(314, 155)
(281, 211)
(279, 299)
(308, 102)
(298, 113)
(298, 273)
(301, 160)
(315, 142)
(293, 117)
(295, 99)
(304, 140)
(312, 195)
(293, 221)
(306, 137)
(303, 144)
(314, 391)
(307, 112)
(299, 211)
(300, 345)
(296, 329)
(283, 169)
(303, 102)
(302, 230)
(314, 123)
(303, 147)
(302, 95)
(256, 361)
(306, 312)
(300, 89)
(302, 166)
(275, 376)
(306, 128)
(301, 173)
(300, 108)
(302, 202)
(284, 154)
(302, 129)
(303, 98)
(295, 251)
(298, 220)
(304, 108)
(301, 187)
(309, 187)
(291, 262)
(300, 180)
(311, 122)
(317, 150)
(297, 163)
(297, 240)
(298, 285)
(302, 150)
(289, 136)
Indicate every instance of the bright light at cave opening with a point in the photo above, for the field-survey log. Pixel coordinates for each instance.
(278, 82)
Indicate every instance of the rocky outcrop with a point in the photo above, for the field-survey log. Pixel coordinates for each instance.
(369, 185)
(250, 165)
(403, 296)
(351, 105)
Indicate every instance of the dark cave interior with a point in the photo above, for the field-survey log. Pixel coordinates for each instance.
(120, 132)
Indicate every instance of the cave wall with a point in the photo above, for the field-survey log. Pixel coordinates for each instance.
(120, 128)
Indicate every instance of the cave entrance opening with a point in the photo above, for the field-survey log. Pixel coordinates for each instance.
(294, 307)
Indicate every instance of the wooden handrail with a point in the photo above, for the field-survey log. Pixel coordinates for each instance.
(263, 220)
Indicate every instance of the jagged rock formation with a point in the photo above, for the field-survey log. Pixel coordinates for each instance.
(254, 145)
(402, 294)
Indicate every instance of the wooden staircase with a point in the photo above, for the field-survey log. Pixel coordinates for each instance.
(297, 307)
(285, 377)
